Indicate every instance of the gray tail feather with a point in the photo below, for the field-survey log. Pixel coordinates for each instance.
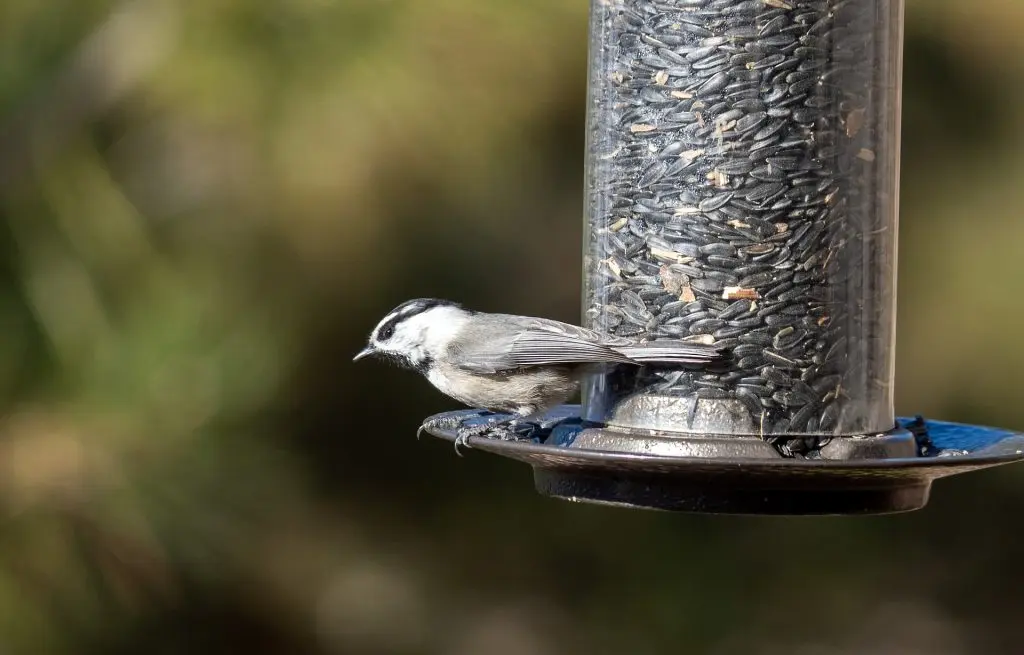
(672, 352)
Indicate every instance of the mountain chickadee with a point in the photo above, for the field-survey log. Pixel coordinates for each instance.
(508, 364)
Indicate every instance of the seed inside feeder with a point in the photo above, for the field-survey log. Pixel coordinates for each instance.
(742, 155)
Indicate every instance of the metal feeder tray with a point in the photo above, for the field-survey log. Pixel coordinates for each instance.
(726, 474)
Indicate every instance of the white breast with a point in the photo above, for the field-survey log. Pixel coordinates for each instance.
(444, 383)
(523, 392)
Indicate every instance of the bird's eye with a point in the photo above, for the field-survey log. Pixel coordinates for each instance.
(387, 332)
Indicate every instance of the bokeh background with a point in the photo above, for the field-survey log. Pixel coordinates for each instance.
(205, 205)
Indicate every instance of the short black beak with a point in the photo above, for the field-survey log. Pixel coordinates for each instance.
(365, 352)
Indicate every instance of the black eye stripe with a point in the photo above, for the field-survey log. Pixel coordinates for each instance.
(387, 329)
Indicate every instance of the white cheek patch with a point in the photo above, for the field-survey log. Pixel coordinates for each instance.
(438, 327)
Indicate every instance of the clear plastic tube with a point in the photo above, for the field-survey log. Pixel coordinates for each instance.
(742, 185)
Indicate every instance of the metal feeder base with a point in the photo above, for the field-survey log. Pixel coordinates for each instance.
(875, 474)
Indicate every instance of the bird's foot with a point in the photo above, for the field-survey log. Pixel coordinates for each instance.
(449, 422)
(438, 423)
(514, 430)
(536, 429)
(464, 432)
(531, 428)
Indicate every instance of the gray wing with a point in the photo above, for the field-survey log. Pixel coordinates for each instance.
(499, 342)
(663, 350)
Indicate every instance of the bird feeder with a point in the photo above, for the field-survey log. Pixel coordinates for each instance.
(742, 179)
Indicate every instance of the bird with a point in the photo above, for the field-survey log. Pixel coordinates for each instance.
(506, 364)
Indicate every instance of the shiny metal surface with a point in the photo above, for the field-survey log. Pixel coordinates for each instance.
(667, 413)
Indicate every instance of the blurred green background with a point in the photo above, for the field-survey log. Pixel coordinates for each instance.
(205, 205)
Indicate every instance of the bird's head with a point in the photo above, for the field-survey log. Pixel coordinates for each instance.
(415, 333)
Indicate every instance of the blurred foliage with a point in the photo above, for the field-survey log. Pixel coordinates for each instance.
(204, 206)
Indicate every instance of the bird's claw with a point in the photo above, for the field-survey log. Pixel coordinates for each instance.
(496, 426)
(438, 423)
(461, 439)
